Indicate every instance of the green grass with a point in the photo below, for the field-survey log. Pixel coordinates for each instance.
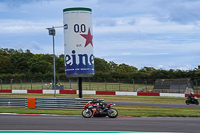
(116, 98)
(142, 111)
(22, 110)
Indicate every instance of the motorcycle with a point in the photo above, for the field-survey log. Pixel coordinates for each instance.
(192, 101)
(93, 109)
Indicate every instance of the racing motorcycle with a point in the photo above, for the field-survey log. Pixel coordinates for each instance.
(95, 110)
(192, 101)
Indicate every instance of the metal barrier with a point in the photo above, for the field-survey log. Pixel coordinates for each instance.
(64, 103)
(56, 103)
(13, 101)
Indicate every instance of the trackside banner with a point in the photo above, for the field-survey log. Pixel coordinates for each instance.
(78, 42)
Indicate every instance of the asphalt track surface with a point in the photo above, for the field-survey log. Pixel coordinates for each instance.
(127, 124)
(78, 123)
(155, 104)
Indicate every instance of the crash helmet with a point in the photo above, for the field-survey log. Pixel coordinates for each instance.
(94, 100)
(101, 103)
(191, 93)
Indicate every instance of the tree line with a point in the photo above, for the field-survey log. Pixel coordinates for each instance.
(19, 64)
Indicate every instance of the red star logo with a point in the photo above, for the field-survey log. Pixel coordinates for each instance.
(88, 38)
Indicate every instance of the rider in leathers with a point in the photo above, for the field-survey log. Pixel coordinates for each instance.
(191, 96)
(101, 104)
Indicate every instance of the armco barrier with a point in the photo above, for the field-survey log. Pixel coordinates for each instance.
(13, 101)
(55, 103)
(64, 103)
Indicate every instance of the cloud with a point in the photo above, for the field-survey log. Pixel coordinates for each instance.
(179, 11)
(156, 33)
(126, 53)
(25, 26)
(154, 54)
(104, 22)
(36, 45)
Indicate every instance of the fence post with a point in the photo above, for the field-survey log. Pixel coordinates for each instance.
(153, 84)
(119, 84)
(1, 84)
(21, 83)
(89, 84)
(58, 82)
(105, 84)
(70, 83)
(133, 85)
(52, 84)
(11, 84)
(162, 84)
(179, 86)
(197, 88)
(31, 84)
(146, 84)
(42, 83)
(196, 85)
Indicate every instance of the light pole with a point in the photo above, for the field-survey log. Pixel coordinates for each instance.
(53, 32)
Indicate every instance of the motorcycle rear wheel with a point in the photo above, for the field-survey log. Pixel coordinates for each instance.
(197, 102)
(112, 113)
(87, 113)
(187, 102)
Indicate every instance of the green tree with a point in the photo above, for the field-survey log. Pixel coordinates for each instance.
(101, 65)
(39, 66)
(60, 67)
(113, 66)
(4, 64)
(18, 61)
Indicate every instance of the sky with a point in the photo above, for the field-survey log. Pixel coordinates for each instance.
(164, 34)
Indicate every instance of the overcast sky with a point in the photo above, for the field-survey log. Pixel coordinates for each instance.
(154, 33)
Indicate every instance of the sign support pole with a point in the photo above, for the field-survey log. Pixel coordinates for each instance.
(80, 87)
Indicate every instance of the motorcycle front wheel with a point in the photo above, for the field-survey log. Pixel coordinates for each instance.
(197, 102)
(87, 113)
(112, 113)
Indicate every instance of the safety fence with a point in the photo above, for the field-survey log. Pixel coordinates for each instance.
(107, 85)
(41, 103)
(87, 84)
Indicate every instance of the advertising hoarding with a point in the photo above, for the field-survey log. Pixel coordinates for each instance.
(78, 42)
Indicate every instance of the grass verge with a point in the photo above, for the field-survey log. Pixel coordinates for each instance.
(116, 98)
(134, 111)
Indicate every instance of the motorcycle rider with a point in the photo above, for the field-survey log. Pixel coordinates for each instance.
(101, 104)
(191, 96)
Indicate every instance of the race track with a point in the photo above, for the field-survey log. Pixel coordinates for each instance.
(78, 123)
(155, 104)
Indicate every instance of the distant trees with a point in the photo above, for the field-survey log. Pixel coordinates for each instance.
(19, 64)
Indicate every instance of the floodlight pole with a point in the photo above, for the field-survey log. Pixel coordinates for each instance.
(53, 32)
(54, 69)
